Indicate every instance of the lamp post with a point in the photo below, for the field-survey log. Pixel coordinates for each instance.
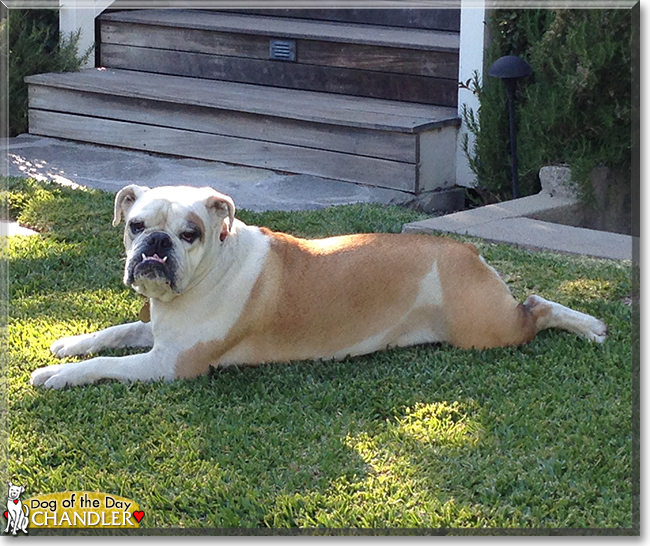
(509, 69)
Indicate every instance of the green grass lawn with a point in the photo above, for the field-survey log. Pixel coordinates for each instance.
(430, 436)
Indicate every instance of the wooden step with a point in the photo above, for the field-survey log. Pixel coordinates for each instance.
(291, 28)
(447, 18)
(376, 142)
(412, 65)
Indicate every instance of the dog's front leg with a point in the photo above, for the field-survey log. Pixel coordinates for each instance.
(134, 334)
(156, 364)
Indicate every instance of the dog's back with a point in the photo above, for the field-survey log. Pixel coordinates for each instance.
(355, 294)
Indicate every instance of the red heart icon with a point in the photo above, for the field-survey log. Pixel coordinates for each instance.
(139, 514)
(6, 515)
(16, 501)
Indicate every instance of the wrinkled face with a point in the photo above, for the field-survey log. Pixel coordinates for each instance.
(169, 232)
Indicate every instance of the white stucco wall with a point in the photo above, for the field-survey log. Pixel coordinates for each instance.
(80, 14)
(472, 38)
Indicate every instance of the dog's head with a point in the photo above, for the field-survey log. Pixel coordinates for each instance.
(15, 491)
(169, 234)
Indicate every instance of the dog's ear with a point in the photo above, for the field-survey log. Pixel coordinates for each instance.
(223, 206)
(124, 201)
(11, 484)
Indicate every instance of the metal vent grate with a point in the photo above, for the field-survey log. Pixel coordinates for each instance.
(282, 50)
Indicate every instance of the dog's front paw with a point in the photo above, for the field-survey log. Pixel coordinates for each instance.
(56, 376)
(42, 375)
(73, 346)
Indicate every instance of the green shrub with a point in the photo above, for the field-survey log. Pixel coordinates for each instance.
(35, 47)
(576, 106)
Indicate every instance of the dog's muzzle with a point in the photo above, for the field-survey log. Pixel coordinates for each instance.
(153, 259)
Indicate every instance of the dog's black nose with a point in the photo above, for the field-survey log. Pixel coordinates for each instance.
(159, 242)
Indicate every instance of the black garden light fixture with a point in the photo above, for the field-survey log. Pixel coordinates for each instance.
(509, 69)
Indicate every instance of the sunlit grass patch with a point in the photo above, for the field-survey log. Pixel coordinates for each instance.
(425, 426)
(586, 289)
(397, 485)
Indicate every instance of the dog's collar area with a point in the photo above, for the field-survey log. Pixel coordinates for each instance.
(145, 313)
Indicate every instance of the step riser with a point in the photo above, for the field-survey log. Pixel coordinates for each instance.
(435, 64)
(379, 144)
(358, 169)
(282, 74)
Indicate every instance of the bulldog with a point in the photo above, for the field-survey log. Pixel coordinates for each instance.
(224, 293)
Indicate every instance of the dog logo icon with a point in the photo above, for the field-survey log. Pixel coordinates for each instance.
(17, 518)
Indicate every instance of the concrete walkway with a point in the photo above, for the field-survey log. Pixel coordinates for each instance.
(110, 169)
(511, 222)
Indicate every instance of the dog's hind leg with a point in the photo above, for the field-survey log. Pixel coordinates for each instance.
(548, 314)
(481, 311)
(515, 324)
(134, 334)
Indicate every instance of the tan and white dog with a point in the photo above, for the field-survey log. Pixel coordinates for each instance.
(222, 292)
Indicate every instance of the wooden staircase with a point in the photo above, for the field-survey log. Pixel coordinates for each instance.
(341, 97)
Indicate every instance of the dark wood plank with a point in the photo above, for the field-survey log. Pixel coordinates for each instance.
(397, 87)
(379, 144)
(311, 106)
(435, 19)
(429, 40)
(375, 172)
(343, 55)
(185, 39)
(379, 59)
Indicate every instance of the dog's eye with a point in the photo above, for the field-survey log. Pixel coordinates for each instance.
(136, 227)
(189, 236)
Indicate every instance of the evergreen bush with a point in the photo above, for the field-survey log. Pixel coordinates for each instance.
(35, 46)
(574, 109)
